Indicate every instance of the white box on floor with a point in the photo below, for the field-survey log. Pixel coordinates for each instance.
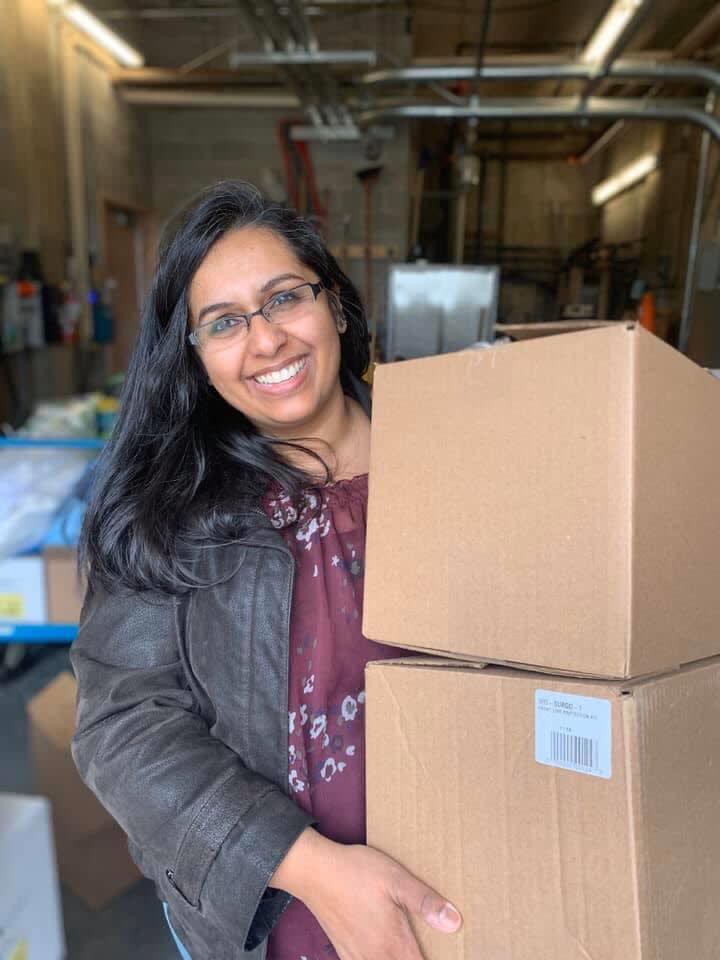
(30, 914)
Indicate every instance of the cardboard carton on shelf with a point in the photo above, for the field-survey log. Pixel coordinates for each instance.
(92, 854)
(63, 587)
(566, 818)
(553, 502)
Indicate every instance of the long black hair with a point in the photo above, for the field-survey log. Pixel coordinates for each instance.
(183, 467)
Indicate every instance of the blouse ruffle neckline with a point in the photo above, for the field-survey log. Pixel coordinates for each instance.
(311, 506)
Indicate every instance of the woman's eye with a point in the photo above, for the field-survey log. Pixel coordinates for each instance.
(283, 299)
(223, 324)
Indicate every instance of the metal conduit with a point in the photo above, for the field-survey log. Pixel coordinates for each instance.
(676, 70)
(694, 242)
(559, 108)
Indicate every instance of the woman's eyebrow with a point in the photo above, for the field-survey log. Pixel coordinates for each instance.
(268, 285)
(212, 308)
(279, 279)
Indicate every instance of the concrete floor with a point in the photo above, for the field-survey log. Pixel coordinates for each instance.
(130, 926)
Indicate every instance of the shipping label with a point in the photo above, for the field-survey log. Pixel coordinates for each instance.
(573, 733)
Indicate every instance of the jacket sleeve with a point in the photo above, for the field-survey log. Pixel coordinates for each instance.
(206, 829)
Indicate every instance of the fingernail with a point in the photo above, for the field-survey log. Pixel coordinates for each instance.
(448, 918)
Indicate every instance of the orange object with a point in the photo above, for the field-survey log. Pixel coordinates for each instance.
(647, 312)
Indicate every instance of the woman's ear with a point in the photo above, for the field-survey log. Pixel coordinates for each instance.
(337, 312)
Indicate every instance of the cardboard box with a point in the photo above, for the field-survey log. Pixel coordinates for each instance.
(22, 590)
(97, 866)
(567, 819)
(554, 503)
(91, 848)
(65, 591)
(30, 912)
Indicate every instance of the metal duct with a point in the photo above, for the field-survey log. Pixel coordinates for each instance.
(303, 58)
(559, 108)
(676, 70)
(250, 100)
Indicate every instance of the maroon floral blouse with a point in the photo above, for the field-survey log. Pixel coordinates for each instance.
(325, 530)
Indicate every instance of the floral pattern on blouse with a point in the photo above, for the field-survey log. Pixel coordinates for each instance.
(325, 530)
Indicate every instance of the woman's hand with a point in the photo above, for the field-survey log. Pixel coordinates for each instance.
(362, 899)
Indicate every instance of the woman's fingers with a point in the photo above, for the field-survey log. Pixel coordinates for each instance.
(421, 900)
(364, 901)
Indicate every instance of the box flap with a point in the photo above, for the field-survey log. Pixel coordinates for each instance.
(424, 661)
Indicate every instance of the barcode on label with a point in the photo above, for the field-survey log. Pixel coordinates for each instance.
(573, 751)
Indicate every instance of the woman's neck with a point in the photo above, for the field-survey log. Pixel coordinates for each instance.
(341, 436)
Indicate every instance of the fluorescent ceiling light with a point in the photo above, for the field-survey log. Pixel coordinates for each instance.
(626, 178)
(81, 17)
(611, 28)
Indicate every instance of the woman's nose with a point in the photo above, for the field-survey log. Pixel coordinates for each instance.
(265, 338)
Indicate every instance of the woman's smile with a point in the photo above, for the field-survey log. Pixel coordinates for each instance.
(279, 380)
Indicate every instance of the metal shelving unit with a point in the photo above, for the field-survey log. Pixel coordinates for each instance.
(37, 632)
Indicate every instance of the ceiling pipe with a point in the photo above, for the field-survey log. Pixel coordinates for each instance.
(225, 77)
(670, 71)
(316, 8)
(142, 97)
(686, 314)
(302, 57)
(559, 108)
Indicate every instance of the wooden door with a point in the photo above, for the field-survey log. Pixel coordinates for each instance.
(124, 278)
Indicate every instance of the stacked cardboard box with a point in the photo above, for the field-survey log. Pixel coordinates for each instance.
(64, 589)
(92, 855)
(543, 518)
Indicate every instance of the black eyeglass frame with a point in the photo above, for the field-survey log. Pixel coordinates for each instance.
(316, 288)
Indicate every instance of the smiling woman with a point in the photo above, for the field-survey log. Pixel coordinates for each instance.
(220, 657)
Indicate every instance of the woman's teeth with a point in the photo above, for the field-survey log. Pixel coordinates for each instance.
(280, 376)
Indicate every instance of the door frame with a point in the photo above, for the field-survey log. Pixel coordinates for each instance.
(145, 235)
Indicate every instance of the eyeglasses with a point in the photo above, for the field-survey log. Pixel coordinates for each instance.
(283, 307)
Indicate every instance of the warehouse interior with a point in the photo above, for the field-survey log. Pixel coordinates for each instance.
(509, 169)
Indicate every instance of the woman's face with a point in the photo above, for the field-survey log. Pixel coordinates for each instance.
(280, 375)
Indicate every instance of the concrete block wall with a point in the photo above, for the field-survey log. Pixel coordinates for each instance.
(67, 141)
(116, 154)
(547, 207)
(32, 171)
(655, 215)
